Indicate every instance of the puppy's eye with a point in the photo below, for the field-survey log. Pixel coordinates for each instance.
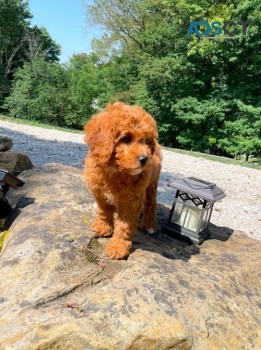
(126, 139)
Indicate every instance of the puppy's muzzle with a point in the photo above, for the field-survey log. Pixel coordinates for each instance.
(143, 160)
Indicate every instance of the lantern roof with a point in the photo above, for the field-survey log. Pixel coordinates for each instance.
(199, 188)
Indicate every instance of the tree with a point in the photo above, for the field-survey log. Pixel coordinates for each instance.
(83, 89)
(39, 92)
(39, 42)
(56, 94)
(19, 42)
(14, 18)
(243, 135)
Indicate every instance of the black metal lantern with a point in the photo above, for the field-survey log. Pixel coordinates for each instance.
(192, 208)
(7, 180)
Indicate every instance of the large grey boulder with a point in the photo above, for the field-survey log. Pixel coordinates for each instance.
(58, 291)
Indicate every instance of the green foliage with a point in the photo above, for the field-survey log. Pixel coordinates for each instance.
(51, 93)
(83, 89)
(19, 42)
(14, 16)
(203, 93)
(243, 135)
(39, 92)
(38, 42)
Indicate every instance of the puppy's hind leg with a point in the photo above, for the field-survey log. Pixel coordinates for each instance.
(103, 224)
(149, 211)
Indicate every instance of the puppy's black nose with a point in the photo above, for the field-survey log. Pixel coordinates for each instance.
(143, 160)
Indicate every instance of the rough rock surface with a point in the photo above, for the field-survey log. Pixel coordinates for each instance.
(58, 291)
(14, 162)
(5, 143)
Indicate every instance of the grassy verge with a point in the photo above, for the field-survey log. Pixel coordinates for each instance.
(36, 123)
(250, 164)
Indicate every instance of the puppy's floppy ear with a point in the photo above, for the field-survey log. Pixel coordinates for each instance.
(99, 136)
(153, 135)
(152, 143)
(152, 146)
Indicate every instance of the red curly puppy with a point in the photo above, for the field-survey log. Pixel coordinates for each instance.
(122, 171)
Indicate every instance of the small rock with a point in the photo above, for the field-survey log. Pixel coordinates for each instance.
(5, 143)
(14, 162)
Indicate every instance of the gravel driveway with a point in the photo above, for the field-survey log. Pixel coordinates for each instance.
(239, 210)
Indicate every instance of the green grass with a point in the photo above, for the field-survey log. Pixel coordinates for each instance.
(224, 160)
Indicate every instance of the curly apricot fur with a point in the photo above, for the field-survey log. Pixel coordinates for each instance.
(122, 171)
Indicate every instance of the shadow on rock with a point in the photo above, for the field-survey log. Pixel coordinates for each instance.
(170, 247)
(15, 212)
(218, 233)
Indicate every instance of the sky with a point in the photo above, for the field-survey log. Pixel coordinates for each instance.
(65, 22)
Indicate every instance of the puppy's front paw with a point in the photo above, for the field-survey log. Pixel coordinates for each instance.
(118, 248)
(102, 228)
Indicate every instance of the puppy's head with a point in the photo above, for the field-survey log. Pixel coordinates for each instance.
(122, 136)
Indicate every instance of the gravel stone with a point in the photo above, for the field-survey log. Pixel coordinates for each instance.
(240, 210)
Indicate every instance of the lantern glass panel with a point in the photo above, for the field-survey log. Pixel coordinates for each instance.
(178, 208)
(186, 214)
(204, 220)
(206, 216)
(209, 212)
(190, 218)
